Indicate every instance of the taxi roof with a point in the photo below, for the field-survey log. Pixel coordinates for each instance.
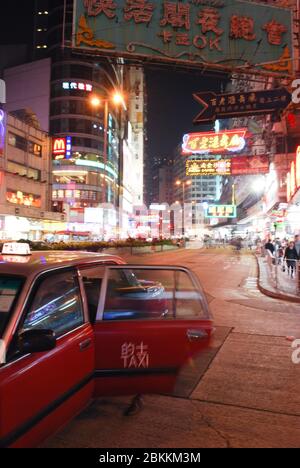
(41, 261)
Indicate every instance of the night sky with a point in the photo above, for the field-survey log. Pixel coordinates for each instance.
(16, 22)
(171, 108)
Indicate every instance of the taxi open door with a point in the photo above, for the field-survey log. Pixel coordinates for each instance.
(151, 322)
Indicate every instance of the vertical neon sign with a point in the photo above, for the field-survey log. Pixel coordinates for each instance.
(2, 131)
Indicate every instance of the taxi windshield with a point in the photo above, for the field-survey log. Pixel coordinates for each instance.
(10, 287)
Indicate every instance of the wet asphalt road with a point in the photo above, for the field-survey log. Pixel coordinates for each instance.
(247, 394)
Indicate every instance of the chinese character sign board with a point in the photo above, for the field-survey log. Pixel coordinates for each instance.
(230, 33)
(208, 167)
(224, 106)
(221, 211)
(227, 141)
(241, 165)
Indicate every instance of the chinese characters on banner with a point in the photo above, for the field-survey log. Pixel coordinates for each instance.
(216, 106)
(187, 30)
(240, 165)
(209, 167)
(218, 143)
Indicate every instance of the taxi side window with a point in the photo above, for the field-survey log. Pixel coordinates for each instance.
(56, 305)
(147, 294)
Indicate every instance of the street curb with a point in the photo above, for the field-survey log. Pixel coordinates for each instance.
(274, 295)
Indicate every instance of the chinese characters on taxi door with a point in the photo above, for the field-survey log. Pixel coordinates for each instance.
(135, 356)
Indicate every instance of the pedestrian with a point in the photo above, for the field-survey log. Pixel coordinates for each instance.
(291, 258)
(297, 245)
(270, 246)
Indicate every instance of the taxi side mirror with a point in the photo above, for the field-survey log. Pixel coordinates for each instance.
(36, 341)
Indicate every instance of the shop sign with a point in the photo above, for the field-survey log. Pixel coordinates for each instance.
(293, 177)
(77, 86)
(209, 167)
(227, 141)
(225, 106)
(62, 148)
(250, 165)
(221, 211)
(240, 165)
(221, 34)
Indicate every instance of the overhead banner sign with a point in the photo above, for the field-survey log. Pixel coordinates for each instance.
(241, 165)
(250, 165)
(218, 33)
(227, 141)
(225, 106)
(221, 211)
(208, 167)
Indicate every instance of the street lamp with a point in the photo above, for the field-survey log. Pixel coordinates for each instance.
(183, 184)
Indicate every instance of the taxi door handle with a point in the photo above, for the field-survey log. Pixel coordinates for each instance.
(85, 344)
(194, 335)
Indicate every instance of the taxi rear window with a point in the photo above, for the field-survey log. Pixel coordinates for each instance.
(10, 287)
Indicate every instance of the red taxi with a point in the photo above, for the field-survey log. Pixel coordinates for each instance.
(76, 326)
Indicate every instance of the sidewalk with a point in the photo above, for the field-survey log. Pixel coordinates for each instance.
(276, 283)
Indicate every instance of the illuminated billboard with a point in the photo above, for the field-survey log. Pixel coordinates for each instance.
(221, 211)
(208, 167)
(62, 148)
(238, 165)
(218, 33)
(227, 141)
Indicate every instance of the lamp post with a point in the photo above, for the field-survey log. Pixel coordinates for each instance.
(183, 184)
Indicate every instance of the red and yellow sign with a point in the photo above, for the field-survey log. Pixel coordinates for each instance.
(240, 165)
(227, 141)
(59, 148)
(293, 177)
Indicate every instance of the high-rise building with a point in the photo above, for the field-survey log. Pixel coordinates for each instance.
(93, 174)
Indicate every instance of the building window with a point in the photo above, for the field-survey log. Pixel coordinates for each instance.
(21, 198)
(20, 170)
(21, 143)
(17, 141)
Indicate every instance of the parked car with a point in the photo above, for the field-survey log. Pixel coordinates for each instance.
(76, 326)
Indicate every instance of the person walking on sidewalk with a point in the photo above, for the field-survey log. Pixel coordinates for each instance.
(270, 246)
(291, 258)
(297, 245)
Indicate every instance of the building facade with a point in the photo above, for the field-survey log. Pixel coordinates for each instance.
(78, 105)
(25, 172)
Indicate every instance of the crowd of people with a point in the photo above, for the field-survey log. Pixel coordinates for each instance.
(285, 252)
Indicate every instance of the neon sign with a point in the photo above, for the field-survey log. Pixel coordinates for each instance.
(77, 86)
(214, 143)
(2, 131)
(62, 148)
(221, 211)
